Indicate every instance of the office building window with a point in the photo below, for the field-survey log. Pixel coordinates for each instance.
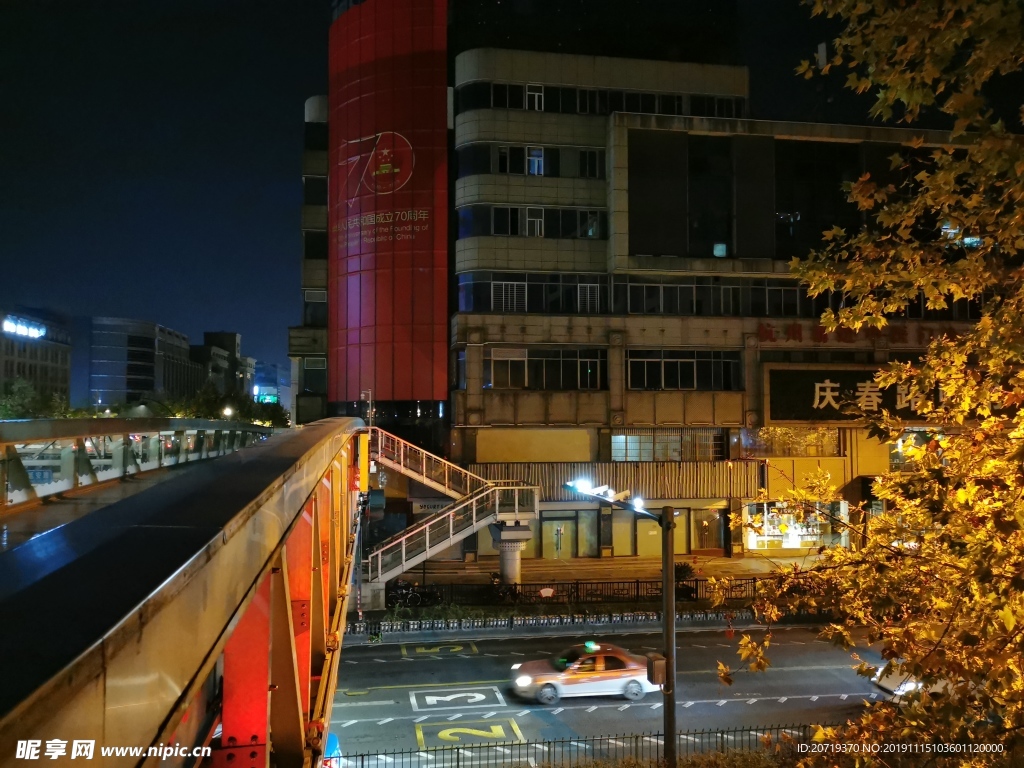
(535, 97)
(591, 164)
(314, 363)
(669, 445)
(508, 297)
(589, 299)
(314, 245)
(535, 161)
(314, 190)
(683, 369)
(545, 369)
(506, 221)
(535, 222)
(590, 224)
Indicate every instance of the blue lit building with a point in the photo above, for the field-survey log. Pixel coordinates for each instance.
(35, 346)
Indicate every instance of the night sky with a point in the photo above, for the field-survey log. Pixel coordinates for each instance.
(150, 160)
(150, 149)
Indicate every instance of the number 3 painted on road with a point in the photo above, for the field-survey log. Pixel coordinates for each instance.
(452, 734)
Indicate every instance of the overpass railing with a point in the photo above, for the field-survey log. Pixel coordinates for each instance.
(45, 457)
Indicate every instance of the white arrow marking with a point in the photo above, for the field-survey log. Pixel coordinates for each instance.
(473, 698)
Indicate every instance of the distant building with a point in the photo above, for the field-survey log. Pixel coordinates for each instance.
(35, 345)
(119, 360)
(226, 366)
(272, 385)
(307, 343)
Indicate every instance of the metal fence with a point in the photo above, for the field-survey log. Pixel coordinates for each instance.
(646, 747)
(569, 592)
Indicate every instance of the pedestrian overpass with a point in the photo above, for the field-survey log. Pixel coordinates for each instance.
(209, 610)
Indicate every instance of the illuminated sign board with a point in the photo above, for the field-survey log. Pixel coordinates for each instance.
(18, 327)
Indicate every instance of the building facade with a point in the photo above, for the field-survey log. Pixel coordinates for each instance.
(35, 346)
(619, 236)
(121, 361)
(307, 343)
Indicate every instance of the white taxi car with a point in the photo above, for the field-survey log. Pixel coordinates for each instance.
(590, 669)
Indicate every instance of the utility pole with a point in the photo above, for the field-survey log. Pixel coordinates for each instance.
(668, 591)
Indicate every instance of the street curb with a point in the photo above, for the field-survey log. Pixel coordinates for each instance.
(615, 624)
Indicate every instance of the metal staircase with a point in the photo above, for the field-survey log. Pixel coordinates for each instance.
(479, 502)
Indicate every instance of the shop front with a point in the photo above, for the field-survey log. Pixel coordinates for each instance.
(783, 528)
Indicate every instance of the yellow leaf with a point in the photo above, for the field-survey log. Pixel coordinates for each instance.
(1009, 620)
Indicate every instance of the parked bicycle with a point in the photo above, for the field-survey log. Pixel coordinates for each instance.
(402, 594)
(505, 593)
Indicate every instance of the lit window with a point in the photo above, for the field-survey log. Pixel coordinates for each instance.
(535, 98)
(535, 161)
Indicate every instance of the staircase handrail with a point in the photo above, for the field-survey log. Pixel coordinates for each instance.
(422, 528)
(386, 443)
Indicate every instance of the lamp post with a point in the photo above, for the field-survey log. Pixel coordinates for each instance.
(366, 396)
(667, 522)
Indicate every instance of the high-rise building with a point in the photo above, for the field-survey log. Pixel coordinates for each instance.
(307, 343)
(619, 238)
(35, 346)
(121, 361)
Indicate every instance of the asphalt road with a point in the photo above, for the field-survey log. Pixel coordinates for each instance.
(396, 697)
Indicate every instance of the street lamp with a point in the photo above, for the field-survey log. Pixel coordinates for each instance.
(366, 396)
(227, 413)
(667, 522)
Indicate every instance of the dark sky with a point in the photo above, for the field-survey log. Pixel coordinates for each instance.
(150, 160)
(150, 149)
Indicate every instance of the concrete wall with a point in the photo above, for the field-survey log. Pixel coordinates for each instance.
(500, 445)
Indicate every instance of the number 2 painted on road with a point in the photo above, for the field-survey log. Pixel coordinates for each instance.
(452, 734)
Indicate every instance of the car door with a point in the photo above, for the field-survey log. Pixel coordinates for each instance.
(612, 677)
(582, 678)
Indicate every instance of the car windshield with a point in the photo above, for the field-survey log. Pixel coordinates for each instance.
(566, 660)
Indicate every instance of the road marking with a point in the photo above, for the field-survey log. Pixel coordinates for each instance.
(350, 722)
(656, 706)
(424, 700)
(489, 714)
(758, 734)
(385, 721)
(544, 653)
(349, 661)
(687, 704)
(688, 738)
(648, 647)
(454, 717)
(503, 750)
(384, 758)
(874, 695)
(797, 642)
(492, 655)
(382, 661)
(541, 747)
(518, 654)
(752, 701)
(556, 711)
(843, 696)
(524, 712)
(427, 755)
(721, 703)
(364, 703)
(468, 731)
(624, 706)
(465, 752)
(421, 718)
(652, 738)
(591, 709)
(791, 732)
(783, 700)
(446, 649)
(699, 646)
(723, 645)
(616, 742)
(814, 698)
(406, 658)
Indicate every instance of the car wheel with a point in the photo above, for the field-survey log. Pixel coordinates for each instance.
(634, 691)
(547, 695)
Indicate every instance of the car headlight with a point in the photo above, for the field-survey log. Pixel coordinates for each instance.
(523, 681)
(516, 666)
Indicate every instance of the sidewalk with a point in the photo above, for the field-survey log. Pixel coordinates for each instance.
(607, 569)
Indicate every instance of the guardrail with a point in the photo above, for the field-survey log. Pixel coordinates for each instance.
(45, 457)
(569, 592)
(511, 501)
(643, 747)
(431, 470)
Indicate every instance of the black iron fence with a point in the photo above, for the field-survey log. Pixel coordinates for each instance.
(565, 592)
(647, 747)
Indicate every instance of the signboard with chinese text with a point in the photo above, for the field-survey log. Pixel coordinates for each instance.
(829, 393)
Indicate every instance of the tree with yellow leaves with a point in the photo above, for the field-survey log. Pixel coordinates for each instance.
(939, 586)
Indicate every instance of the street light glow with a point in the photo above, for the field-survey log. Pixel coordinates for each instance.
(638, 502)
(582, 486)
(228, 412)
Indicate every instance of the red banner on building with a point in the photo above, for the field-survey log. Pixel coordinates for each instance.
(388, 217)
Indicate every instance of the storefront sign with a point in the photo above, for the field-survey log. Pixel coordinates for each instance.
(824, 393)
